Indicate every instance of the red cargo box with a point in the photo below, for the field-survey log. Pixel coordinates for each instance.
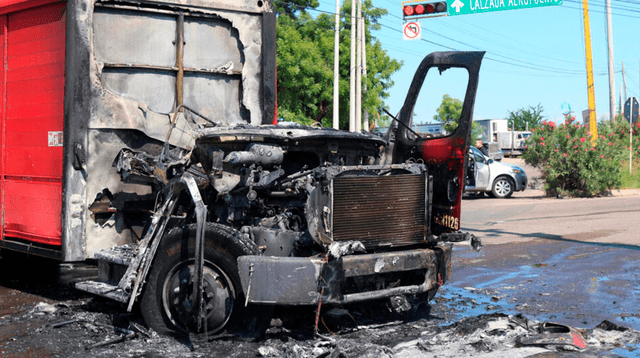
(32, 43)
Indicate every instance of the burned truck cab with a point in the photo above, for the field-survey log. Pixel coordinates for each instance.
(196, 206)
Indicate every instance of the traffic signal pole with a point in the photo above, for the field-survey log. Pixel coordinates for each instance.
(593, 125)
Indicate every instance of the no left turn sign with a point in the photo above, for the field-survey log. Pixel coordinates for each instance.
(411, 31)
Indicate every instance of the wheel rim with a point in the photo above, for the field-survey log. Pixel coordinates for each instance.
(218, 297)
(503, 187)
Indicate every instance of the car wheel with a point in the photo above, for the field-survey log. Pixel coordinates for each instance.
(166, 303)
(503, 187)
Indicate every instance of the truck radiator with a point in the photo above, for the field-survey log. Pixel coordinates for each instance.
(380, 210)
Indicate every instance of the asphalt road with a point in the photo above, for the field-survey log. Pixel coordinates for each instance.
(571, 261)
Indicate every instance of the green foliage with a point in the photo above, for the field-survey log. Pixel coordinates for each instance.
(630, 179)
(570, 164)
(305, 65)
(292, 8)
(449, 113)
(526, 119)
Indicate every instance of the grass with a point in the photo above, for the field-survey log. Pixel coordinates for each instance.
(632, 180)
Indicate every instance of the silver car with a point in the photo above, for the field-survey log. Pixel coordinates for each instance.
(500, 180)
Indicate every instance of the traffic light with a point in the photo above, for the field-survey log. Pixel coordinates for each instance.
(414, 9)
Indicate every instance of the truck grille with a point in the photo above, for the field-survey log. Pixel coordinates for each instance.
(380, 210)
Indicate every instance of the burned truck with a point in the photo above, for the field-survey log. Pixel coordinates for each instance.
(140, 135)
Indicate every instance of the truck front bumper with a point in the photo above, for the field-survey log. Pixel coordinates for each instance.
(348, 279)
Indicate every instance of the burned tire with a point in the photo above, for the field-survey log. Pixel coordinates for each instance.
(503, 187)
(167, 296)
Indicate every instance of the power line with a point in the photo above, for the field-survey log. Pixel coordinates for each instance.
(493, 55)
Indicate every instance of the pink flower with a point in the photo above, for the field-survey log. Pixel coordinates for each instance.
(541, 143)
(576, 151)
(544, 123)
(602, 157)
(533, 130)
(541, 139)
(588, 133)
(556, 149)
(552, 124)
(592, 148)
(575, 146)
(568, 136)
(582, 139)
(609, 143)
(565, 154)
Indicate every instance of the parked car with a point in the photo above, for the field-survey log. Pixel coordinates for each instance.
(497, 179)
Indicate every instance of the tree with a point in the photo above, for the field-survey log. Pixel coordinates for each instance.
(449, 113)
(292, 7)
(525, 119)
(305, 64)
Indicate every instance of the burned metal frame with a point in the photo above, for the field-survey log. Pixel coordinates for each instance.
(85, 110)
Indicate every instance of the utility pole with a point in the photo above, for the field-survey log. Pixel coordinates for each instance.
(621, 102)
(612, 85)
(352, 71)
(365, 117)
(336, 76)
(593, 126)
(624, 83)
(359, 69)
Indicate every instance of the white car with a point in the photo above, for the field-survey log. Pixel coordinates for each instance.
(497, 179)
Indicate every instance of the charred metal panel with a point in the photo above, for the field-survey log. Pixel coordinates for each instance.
(387, 262)
(121, 92)
(200, 52)
(153, 88)
(269, 279)
(221, 59)
(302, 281)
(385, 275)
(250, 6)
(274, 242)
(76, 111)
(134, 38)
(215, 96)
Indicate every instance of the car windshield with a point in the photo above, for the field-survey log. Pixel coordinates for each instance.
(477, 154)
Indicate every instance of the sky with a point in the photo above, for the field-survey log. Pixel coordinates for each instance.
(533, 56)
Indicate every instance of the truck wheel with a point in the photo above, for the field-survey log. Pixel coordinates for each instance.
(503, 187)
(167, 297)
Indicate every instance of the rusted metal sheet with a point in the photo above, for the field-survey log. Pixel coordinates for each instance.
(380, 210)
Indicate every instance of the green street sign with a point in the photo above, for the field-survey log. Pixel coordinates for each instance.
(465, 7)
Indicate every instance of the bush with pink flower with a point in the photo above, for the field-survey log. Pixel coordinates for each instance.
(570, 164)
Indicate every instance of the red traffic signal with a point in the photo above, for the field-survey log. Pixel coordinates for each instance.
(412, 9)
